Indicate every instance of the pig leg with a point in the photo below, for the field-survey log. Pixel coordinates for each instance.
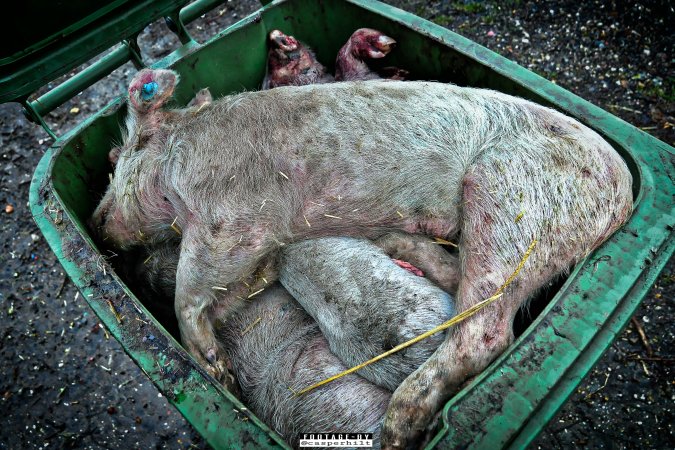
(364, 304)
(438, 265)
(215, 275)
(192, 306)
(492, 244)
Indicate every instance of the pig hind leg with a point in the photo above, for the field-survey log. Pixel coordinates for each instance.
(493, 241)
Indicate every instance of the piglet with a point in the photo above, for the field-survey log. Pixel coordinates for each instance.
(291, 63)
(365, 305)
(276, 349)
(363, 45)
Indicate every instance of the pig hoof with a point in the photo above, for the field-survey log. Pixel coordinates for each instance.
(213, 366)
(212, 356)
(216, 371)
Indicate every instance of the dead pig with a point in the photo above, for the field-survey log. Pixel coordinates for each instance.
(365, 305)
(291, 63)
(259, 170)
(363, 45)
(273, 345)
(276, 348)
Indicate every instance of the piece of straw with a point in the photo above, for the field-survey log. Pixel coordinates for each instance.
(256, 293)
(174, 227)
(250, 327)
(455, 320)
(442, 241)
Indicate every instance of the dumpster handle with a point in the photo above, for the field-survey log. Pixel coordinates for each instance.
(46, 103)
(35, 110)
(134, 52)
(35, 116)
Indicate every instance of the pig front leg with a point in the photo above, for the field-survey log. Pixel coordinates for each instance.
(215, 276)
(197, 334)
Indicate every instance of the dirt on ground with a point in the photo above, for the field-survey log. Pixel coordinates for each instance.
(65, 383)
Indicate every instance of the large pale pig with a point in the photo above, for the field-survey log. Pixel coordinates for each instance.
(259, 170)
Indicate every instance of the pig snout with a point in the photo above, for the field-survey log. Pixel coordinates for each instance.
(282, 41)
(364, 44)
(384, 44)
(107, 225)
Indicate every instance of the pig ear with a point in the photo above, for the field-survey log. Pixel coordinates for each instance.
(202, 98)
(151, 88)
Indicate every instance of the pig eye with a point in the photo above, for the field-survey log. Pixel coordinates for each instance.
(149, 90)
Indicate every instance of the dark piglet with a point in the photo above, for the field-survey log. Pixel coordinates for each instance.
(363, 45)
(291, 63)
(275, 349)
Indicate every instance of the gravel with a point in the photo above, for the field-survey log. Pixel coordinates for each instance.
(65, 383)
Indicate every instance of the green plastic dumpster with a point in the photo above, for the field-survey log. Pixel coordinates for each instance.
(512, 400)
